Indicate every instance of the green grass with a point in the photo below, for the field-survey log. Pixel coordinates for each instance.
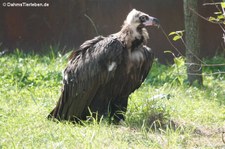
(164, 113)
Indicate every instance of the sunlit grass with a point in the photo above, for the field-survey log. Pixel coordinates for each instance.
(164, 113)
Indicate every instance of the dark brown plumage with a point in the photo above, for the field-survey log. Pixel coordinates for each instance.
(104, 71)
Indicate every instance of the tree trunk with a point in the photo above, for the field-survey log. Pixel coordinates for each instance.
(194, 69)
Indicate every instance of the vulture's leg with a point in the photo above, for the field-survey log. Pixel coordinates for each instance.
(118, 109)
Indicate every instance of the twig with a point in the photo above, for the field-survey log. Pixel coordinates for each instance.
(206, 4)
(223, 137)
(198, 74)
(192, 52)
(164, 33)
(203, 63)
(92, 22)
(177, 48)
(206, 65)
(204, 18)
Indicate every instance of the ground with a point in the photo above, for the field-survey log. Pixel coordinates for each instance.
(164, 113)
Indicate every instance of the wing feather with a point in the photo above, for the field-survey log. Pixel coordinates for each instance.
(84, 75)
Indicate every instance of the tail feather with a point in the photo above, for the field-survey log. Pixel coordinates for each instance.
(54, 114)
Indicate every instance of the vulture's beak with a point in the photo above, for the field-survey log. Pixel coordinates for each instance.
(152, 22)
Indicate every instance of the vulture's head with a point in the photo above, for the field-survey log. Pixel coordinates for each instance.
(135, 25)
(140, 19)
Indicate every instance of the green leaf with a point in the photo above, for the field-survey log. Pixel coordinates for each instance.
(180, 80)
(218, 12)
(212, 19)
(175, 38)
(180, 32)
(168, 52)
(223, 4)
(172, 33)
(178, 35)
(220, 17)
(179, 61)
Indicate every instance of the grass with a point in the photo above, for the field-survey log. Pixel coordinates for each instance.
(164, 113)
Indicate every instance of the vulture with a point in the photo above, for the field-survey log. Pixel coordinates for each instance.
(104, 71)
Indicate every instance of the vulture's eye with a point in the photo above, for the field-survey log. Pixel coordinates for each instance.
(143, 18)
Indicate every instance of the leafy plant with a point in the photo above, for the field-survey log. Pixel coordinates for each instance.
(220, 15)
(176, 35)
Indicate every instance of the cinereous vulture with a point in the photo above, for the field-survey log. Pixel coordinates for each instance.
(104, 71)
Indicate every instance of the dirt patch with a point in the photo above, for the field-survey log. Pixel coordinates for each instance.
(203, 136)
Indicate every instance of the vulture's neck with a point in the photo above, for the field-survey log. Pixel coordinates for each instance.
(133, 37)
